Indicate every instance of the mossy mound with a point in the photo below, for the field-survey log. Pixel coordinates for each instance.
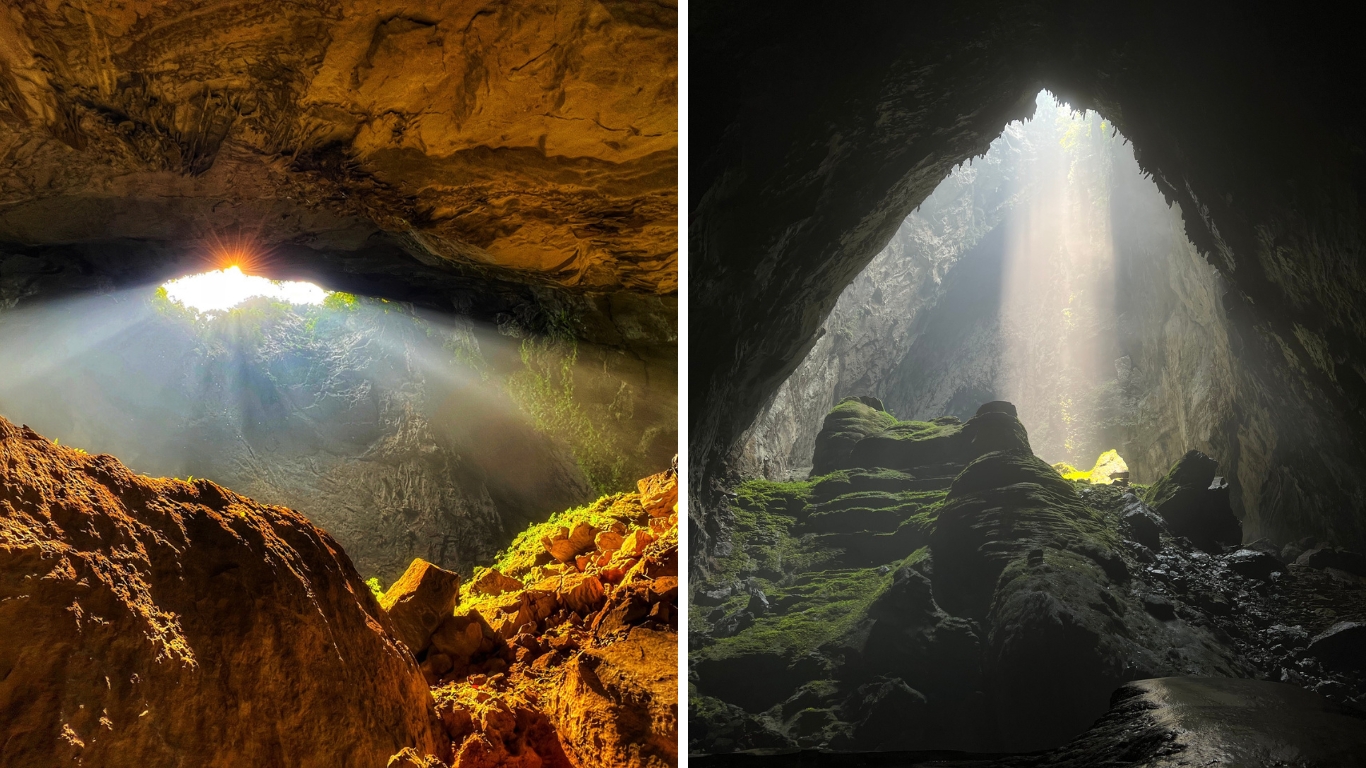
(849, 423)
(908, 445)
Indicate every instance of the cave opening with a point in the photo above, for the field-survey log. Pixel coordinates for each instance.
(1048, 272)
(403, 431)
(223, 289)
(1031, 455)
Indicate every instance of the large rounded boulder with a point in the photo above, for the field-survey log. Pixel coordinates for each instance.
(164, 622)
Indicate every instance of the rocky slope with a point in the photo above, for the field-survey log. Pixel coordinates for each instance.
(159, 622)
(941, 572)
(371, 142)
(396, 431)
(564, 652)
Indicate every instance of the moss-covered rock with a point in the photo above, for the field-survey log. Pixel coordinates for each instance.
(944, 564)
(852, 420)
(910, 445)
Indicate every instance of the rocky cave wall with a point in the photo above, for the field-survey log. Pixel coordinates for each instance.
(516, 142)
(1219, 102)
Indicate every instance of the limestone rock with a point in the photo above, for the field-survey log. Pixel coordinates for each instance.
(419, 601)
(1181, 721)
(999, 406)
(492, 582)
(566, 545)
(1254, 564)
(851, 421)
(1342, 646)
(141, 619)
(659, 493)
(560, 127)
(609, 541)
(617, 706)
(1332, 557)
(582, 594)
(1145, 526)
(1194, 503)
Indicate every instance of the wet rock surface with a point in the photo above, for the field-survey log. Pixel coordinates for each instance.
(961, 568)
(159, 622)
(1175, 721)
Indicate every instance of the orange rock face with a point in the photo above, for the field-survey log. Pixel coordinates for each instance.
(419, 601)
(159, 622)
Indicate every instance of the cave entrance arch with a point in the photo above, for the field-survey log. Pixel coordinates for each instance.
(1218, 102)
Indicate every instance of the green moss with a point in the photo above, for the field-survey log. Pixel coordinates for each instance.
(817, 609)
(919, 430)
(521, 556)
(847, 423)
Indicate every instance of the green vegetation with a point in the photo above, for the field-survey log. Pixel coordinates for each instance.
(338, 301)
(544, 389)
(818, 607)
(521, 555)
(375, 588)
(80, 451)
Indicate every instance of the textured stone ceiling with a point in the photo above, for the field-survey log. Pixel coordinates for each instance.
(522, 142)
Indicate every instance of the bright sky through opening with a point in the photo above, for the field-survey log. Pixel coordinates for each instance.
(229, 287)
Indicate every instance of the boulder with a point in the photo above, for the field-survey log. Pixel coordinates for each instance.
(888, 714)
(1145, 526)
(1188, 721)
(608, 541)
(659, 493)
(161, 622)
(1341, 647)
(1253, 564)
(565, 545)
(1195, 503)
(493, 582)
(996, 431)
(998, 406)
(1330, 557)
(419, 601)
(581, 594)
(1159, 607)
(617, 706)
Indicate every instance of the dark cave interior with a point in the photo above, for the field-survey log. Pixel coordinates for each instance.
(851, 282)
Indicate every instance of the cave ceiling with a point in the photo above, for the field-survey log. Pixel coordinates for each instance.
(1247, 116)
(440, 152)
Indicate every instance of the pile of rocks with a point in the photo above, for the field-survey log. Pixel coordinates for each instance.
(565, 654)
